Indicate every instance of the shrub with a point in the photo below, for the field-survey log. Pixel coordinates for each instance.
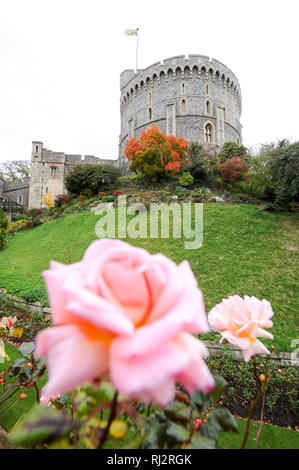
(48, 201)
(231, 150)
(284, 170)
(156, 155)
(62, 199)
(233, 170)
(17, 226)
(3, 229)
(186, 179)
(201, 164)
(129, 181)
(91, 177)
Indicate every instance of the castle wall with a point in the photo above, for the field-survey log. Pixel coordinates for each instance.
(1, 188)
(181, 96)
(17, 191)
(49, 170)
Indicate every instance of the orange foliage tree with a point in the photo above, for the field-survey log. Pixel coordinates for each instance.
(155, 154)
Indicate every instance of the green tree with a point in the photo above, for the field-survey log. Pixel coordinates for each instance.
(3, 229)
(91, 177)
(284, 170)
(232, 150)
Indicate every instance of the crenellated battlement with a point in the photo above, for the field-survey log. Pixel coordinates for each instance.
(131, 81)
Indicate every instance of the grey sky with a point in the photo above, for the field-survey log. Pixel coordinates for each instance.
(60, 62)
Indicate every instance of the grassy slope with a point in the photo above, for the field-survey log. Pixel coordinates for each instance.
(245, 251)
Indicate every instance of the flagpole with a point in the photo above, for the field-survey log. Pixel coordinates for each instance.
(137, 29)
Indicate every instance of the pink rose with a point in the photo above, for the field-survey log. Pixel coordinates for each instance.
(126, 315)
(241, 321)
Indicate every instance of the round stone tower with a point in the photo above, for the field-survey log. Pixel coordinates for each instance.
(197, 98)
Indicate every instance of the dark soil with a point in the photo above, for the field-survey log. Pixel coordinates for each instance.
(31, 323)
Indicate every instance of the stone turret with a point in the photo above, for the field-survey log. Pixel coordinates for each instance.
(195, 97)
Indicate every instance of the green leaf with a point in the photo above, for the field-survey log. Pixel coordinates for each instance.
(176, 433)
(223, 420)
(102, 394)
(26, 349)
(220, 387)
(200, 400)
(209, 430)
(16, 366)
(154, 437)
(178, 411)
(199, 441)
(43, 424)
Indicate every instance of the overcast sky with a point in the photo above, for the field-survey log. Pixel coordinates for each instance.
(60, 62)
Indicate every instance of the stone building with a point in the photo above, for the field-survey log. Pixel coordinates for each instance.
(16, 191)
(194, 97)
(49, 170)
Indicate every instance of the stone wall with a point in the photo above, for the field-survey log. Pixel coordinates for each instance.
(1, 188)
(181, 95)
(49, 170)
(17, 191)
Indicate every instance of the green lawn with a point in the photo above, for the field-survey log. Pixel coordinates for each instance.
(245, 251)
(271, 437)
(12, 416)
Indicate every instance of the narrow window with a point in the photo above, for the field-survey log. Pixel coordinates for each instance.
(36, 148)
(46, 190)
(208, 107)
(224, 114)
(149, 98)
(209, 133)
(183, 88)
(207, 89)
(53, 171)
(19, 199)
(149, 114)
(183, 107)
(238, 141)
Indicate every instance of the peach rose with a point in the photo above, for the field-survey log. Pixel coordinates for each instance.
(126, 315)
(241, 321)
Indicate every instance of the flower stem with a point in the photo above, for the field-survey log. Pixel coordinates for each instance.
(111, 418)
(253, 404)
(263, 403)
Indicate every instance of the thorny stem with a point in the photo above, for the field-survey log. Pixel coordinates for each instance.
(263, 402)
(111, 417)
(4, 410)
(6, 397)
(37, 392)
(253, 404)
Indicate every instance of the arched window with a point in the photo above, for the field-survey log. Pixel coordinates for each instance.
(149, 114)
(20, 199)
(207, 89)
(208, 107)
(150, 97)
(209, 134)
(183, 89)
(183, 106)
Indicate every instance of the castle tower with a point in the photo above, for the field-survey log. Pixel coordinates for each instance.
(194, 97)
(35, 187)
(47, 174)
